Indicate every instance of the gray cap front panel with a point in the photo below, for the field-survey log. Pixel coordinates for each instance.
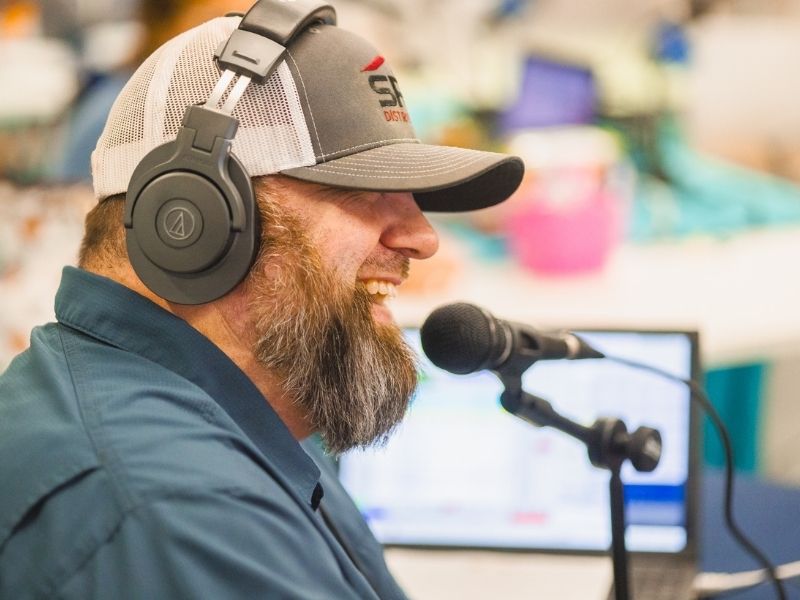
(350, 97)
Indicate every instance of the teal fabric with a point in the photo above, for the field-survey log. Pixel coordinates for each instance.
(137, 461)
(735, 392)
(681, 192)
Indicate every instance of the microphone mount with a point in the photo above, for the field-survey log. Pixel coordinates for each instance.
(609, 445)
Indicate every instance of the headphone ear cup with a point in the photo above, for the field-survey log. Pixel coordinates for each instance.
(180, 237)
(182, 222)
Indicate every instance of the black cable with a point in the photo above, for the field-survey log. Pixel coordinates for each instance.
(699, 395)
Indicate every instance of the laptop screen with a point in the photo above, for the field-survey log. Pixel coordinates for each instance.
(461, 472)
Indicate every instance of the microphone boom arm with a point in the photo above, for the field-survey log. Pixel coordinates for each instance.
(609, 445)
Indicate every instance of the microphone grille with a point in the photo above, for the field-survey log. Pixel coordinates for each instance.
(458, 338)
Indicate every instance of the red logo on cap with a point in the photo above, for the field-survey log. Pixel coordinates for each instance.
(376, 62)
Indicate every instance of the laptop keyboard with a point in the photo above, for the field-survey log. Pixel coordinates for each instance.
(663, 581)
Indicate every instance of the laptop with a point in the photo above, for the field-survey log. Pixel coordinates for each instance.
(460, 473)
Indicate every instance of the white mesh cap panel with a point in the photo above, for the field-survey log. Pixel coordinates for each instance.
(272, 133)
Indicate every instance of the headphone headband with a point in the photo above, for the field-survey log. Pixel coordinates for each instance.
(248, 51)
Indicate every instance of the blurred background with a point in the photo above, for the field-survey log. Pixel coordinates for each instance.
(662, 144)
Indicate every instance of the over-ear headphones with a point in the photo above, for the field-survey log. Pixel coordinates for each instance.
(191, 221)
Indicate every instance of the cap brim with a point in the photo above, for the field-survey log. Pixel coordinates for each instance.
(442, 178)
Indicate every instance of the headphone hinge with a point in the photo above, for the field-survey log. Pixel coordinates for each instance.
(208, 125)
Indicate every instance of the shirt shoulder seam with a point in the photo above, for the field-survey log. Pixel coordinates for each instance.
(90, 417)
(144, 502)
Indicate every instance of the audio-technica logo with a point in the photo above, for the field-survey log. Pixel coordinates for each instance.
(179, 224)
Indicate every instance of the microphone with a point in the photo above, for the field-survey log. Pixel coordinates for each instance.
(463, 338)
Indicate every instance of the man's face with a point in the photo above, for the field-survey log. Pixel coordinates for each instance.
(329, 261)
(365, 238)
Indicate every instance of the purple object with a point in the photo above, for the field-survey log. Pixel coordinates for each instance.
(552, 93)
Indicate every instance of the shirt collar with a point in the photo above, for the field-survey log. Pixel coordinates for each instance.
(116, 315)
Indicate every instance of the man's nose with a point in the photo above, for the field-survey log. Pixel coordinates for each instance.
(408, 231)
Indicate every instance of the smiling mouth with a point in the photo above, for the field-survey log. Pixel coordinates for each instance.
(379, 290)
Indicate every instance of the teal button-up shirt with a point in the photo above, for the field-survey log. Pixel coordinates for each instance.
(137, 461)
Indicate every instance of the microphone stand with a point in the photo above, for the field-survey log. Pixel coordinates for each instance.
(609, 445)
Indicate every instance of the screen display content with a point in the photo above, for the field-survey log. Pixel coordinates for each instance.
(461, 472)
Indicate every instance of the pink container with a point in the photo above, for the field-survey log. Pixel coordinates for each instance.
(572, 238)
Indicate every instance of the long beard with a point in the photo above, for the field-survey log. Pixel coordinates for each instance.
(351, 377)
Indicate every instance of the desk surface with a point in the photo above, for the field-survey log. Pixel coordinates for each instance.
(741, 293)
(768, 513)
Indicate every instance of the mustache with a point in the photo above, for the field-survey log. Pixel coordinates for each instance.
(393, 263)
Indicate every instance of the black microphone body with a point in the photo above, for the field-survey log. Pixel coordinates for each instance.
(464, 338)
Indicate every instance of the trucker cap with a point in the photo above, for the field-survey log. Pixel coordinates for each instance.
(332, 113)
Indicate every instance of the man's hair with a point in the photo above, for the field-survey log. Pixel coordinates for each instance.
(103, 244)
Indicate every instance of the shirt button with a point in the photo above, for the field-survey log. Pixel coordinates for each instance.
(316, 496)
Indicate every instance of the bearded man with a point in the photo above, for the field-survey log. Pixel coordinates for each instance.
(152, 439)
